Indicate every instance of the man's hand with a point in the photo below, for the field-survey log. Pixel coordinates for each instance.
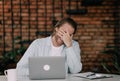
(65, 36)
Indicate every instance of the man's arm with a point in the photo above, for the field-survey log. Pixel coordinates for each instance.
(72, 52)
(22, 65)
(73, 58)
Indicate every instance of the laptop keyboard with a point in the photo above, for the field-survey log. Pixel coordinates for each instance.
(3, 78)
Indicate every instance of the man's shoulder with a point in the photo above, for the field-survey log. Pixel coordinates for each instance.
(75, 41)
(38, 40)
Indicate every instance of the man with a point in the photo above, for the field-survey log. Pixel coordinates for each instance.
(60, 43)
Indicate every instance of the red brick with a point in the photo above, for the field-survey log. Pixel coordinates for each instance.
(95, 29)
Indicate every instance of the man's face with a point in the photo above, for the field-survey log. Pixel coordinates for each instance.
(64, 28)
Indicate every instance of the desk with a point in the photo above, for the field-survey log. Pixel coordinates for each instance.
(70, 77)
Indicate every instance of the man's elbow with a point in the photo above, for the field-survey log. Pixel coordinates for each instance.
(76, 69)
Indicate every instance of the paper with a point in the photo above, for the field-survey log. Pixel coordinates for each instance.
(92, 75)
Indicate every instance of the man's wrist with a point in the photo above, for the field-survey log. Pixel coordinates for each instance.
(69, 46)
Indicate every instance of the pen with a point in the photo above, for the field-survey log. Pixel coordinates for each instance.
(90, 75)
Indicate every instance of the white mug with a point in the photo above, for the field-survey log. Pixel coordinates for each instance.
(11, 74)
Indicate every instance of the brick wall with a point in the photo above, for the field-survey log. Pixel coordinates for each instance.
(95, 28)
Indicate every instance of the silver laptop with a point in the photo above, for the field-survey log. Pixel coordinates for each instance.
(47, 68)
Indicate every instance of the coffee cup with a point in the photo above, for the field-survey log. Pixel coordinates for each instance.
(11, 74)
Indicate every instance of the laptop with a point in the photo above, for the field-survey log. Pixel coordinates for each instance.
(47, 67)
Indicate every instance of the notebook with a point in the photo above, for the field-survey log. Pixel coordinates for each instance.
(47, 67)
(92, 75)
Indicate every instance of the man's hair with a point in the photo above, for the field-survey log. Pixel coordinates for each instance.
(69, 21)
